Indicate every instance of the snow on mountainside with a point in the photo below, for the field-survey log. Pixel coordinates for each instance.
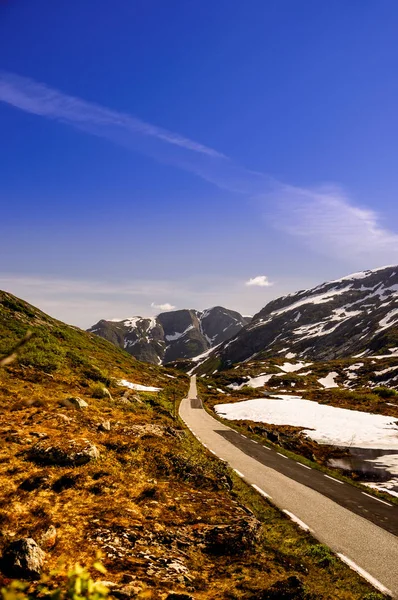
(357, 314)
(172, 335)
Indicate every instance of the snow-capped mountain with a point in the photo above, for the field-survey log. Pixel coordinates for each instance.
(353, 315)
(172, 335)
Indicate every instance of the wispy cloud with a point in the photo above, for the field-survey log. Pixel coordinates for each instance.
(166, 306)
(39, 99)
(259, 281)
(325, 219)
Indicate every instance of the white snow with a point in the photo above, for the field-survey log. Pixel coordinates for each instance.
(328, 381)
(290, 367)
(253, 382)
(323, 423)
(390, 319)
(388, 370)
(138, 386)
(290, 355)
(316, 299)
(355, 366)
(177, 335)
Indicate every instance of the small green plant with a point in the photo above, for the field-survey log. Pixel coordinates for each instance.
(95, 374)
(323, 556)
(99, 391)
(75, 584)
(385, 392)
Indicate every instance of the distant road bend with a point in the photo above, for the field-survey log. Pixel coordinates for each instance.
(360, 528)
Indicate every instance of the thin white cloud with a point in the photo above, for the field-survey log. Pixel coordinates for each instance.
(259, 281)
(166, 306)
(39, 99)
(325, 219)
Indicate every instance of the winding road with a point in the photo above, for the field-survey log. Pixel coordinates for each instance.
(359, 527)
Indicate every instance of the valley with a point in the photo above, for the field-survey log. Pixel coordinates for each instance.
(92, 447)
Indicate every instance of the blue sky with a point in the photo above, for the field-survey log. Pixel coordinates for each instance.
(170, 152)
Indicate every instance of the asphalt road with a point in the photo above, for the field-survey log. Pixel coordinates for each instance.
(360, 528)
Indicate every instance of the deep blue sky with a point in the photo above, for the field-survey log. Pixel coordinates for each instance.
(302, 92)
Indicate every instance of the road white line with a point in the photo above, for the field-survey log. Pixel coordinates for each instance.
(378, 499)
(204, 446)
(245, 436)
(379, 586)
(305, 466)
(254, 442)
(213, 452)
(296, 520)
(260, 491)
(333, 479)
(238, 472)
(266, 448)
(282, 455)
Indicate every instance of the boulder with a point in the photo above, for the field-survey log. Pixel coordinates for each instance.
(73, 402)
(23, 558)
(231, 539)
(69, 453)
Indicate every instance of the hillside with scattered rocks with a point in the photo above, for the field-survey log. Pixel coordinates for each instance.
(93, 459)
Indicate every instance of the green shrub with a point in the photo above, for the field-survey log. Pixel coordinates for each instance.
(95, 374)
(323, 556)
(385, 392)
(99, 391)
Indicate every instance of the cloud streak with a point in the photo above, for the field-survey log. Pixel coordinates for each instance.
(324, 219)
(39, 99)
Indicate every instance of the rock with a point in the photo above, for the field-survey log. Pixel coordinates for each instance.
(234, 538)
(285, 589)
(124, 401)
(72, 402)
(148, 429)
(179, 596)
(105, 426)
(72, 453)
(48, 538)
(64, 418)
(127, 591)
(23, 559)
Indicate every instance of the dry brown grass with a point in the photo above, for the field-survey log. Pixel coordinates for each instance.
(149, 498)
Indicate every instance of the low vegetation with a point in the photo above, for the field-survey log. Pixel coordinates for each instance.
(88, 465)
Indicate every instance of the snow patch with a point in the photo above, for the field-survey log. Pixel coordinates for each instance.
(323, 423)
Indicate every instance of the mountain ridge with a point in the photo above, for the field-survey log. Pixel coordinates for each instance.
(172, 335)
(336, 319)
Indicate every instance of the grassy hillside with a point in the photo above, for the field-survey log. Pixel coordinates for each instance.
(122, 476)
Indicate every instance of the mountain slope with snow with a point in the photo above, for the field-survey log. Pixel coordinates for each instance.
(172, 335)
(353, 315)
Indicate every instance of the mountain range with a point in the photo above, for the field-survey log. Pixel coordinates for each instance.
(352, 316)
(172, 335)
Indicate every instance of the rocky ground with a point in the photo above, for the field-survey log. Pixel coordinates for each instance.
(88, 465)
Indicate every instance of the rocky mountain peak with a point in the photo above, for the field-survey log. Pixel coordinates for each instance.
(172, 335)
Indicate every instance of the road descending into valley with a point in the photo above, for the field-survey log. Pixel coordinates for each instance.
(360, 528)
